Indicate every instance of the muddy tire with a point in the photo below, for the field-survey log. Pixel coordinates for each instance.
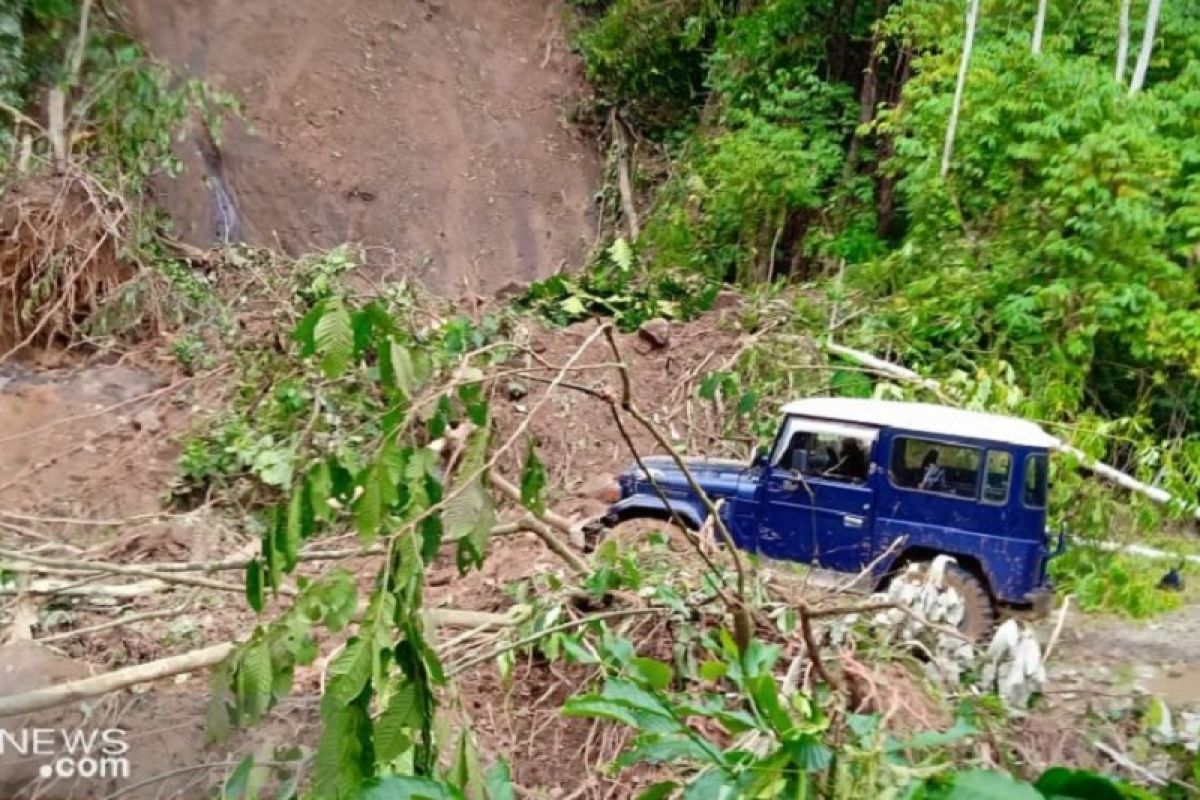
(979, 618)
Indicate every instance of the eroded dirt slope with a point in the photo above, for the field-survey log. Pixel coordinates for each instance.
(432, 129)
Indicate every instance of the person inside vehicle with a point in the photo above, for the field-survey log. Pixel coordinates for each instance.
(933, 477)
(852, 463)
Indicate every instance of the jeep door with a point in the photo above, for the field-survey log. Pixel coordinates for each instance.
(815, 499)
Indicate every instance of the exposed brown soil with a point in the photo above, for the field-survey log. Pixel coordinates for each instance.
(434, 130)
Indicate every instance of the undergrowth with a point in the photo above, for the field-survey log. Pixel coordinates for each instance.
(1049, 274)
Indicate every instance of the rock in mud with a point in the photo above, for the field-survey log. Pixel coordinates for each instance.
(656, 333)
(516, 390)
(147, 420)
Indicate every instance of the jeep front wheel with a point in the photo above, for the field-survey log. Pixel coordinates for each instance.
(979, 613)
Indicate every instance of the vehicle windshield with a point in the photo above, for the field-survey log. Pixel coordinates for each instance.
(828, 450)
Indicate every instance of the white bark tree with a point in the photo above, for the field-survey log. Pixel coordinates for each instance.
(1123, 40)
(1039, 26)
(961, 85)
(1143, 62)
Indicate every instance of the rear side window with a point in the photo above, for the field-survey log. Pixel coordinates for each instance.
(935, 467)
(1035, 481)
(997, 477)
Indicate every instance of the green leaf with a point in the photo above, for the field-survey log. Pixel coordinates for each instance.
(465, 772)
(809, 753)
(713, 671)
(344, 759)
(668, 749)
(403, 372)
(470, 515)
(350, 671)
(979, 784)
(306, 328)
(655, 674)
(573, 307)
(368, 509)
(273, 466)
(927, 739)
(299, 517)
(498, 781)
(621, 254)
(1061, 782)
(334, 339)
(254, 585)
(403, 713)
(533, 482)
(765, 693)
(270, 555)
(318, 484)
(254, 680)
(235, 786)
(659, 791)
(406, 787)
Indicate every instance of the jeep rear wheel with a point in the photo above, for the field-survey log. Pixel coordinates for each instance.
(979, 617)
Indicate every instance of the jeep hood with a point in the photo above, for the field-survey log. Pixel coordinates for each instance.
(666, 470)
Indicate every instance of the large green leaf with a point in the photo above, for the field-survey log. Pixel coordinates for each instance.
(980, 784)
(254, 584)
(498, 780)
(368, 508)
(254, 680)
(1061, 783)
(403, 714)
(333, 339)
(344, 759)
(350, 671)
(407, 787)
(667, 749)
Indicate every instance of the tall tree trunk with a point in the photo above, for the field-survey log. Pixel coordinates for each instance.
(1123, 40)
(868, 96)
(960, 87)
(1143, 62)
(1039, 27)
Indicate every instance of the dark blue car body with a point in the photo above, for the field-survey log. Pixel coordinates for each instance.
(991, 517)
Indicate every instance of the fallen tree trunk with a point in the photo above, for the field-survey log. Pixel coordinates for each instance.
(72, 691)
(1112, 474)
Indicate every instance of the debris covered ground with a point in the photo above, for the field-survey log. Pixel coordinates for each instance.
(90, 454)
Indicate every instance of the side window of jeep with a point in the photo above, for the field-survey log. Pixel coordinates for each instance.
(997, 477)
(841, 454)
(935, 467)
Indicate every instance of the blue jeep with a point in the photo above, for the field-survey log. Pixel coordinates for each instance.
(855, 485)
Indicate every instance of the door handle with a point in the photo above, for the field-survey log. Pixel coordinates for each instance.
(851, 521)
(789, 486)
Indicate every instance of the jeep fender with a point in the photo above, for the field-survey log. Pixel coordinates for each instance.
(642, 506)
(973, 552)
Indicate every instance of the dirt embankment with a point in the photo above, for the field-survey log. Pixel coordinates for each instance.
(434, 130)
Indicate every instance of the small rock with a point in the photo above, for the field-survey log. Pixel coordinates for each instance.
(516, 390)
(510, 289)
(657, 332)
(147, 420)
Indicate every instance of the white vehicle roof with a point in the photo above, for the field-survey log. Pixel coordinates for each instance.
(925, 418)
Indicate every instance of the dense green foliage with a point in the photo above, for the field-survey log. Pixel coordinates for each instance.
(1052, 272)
